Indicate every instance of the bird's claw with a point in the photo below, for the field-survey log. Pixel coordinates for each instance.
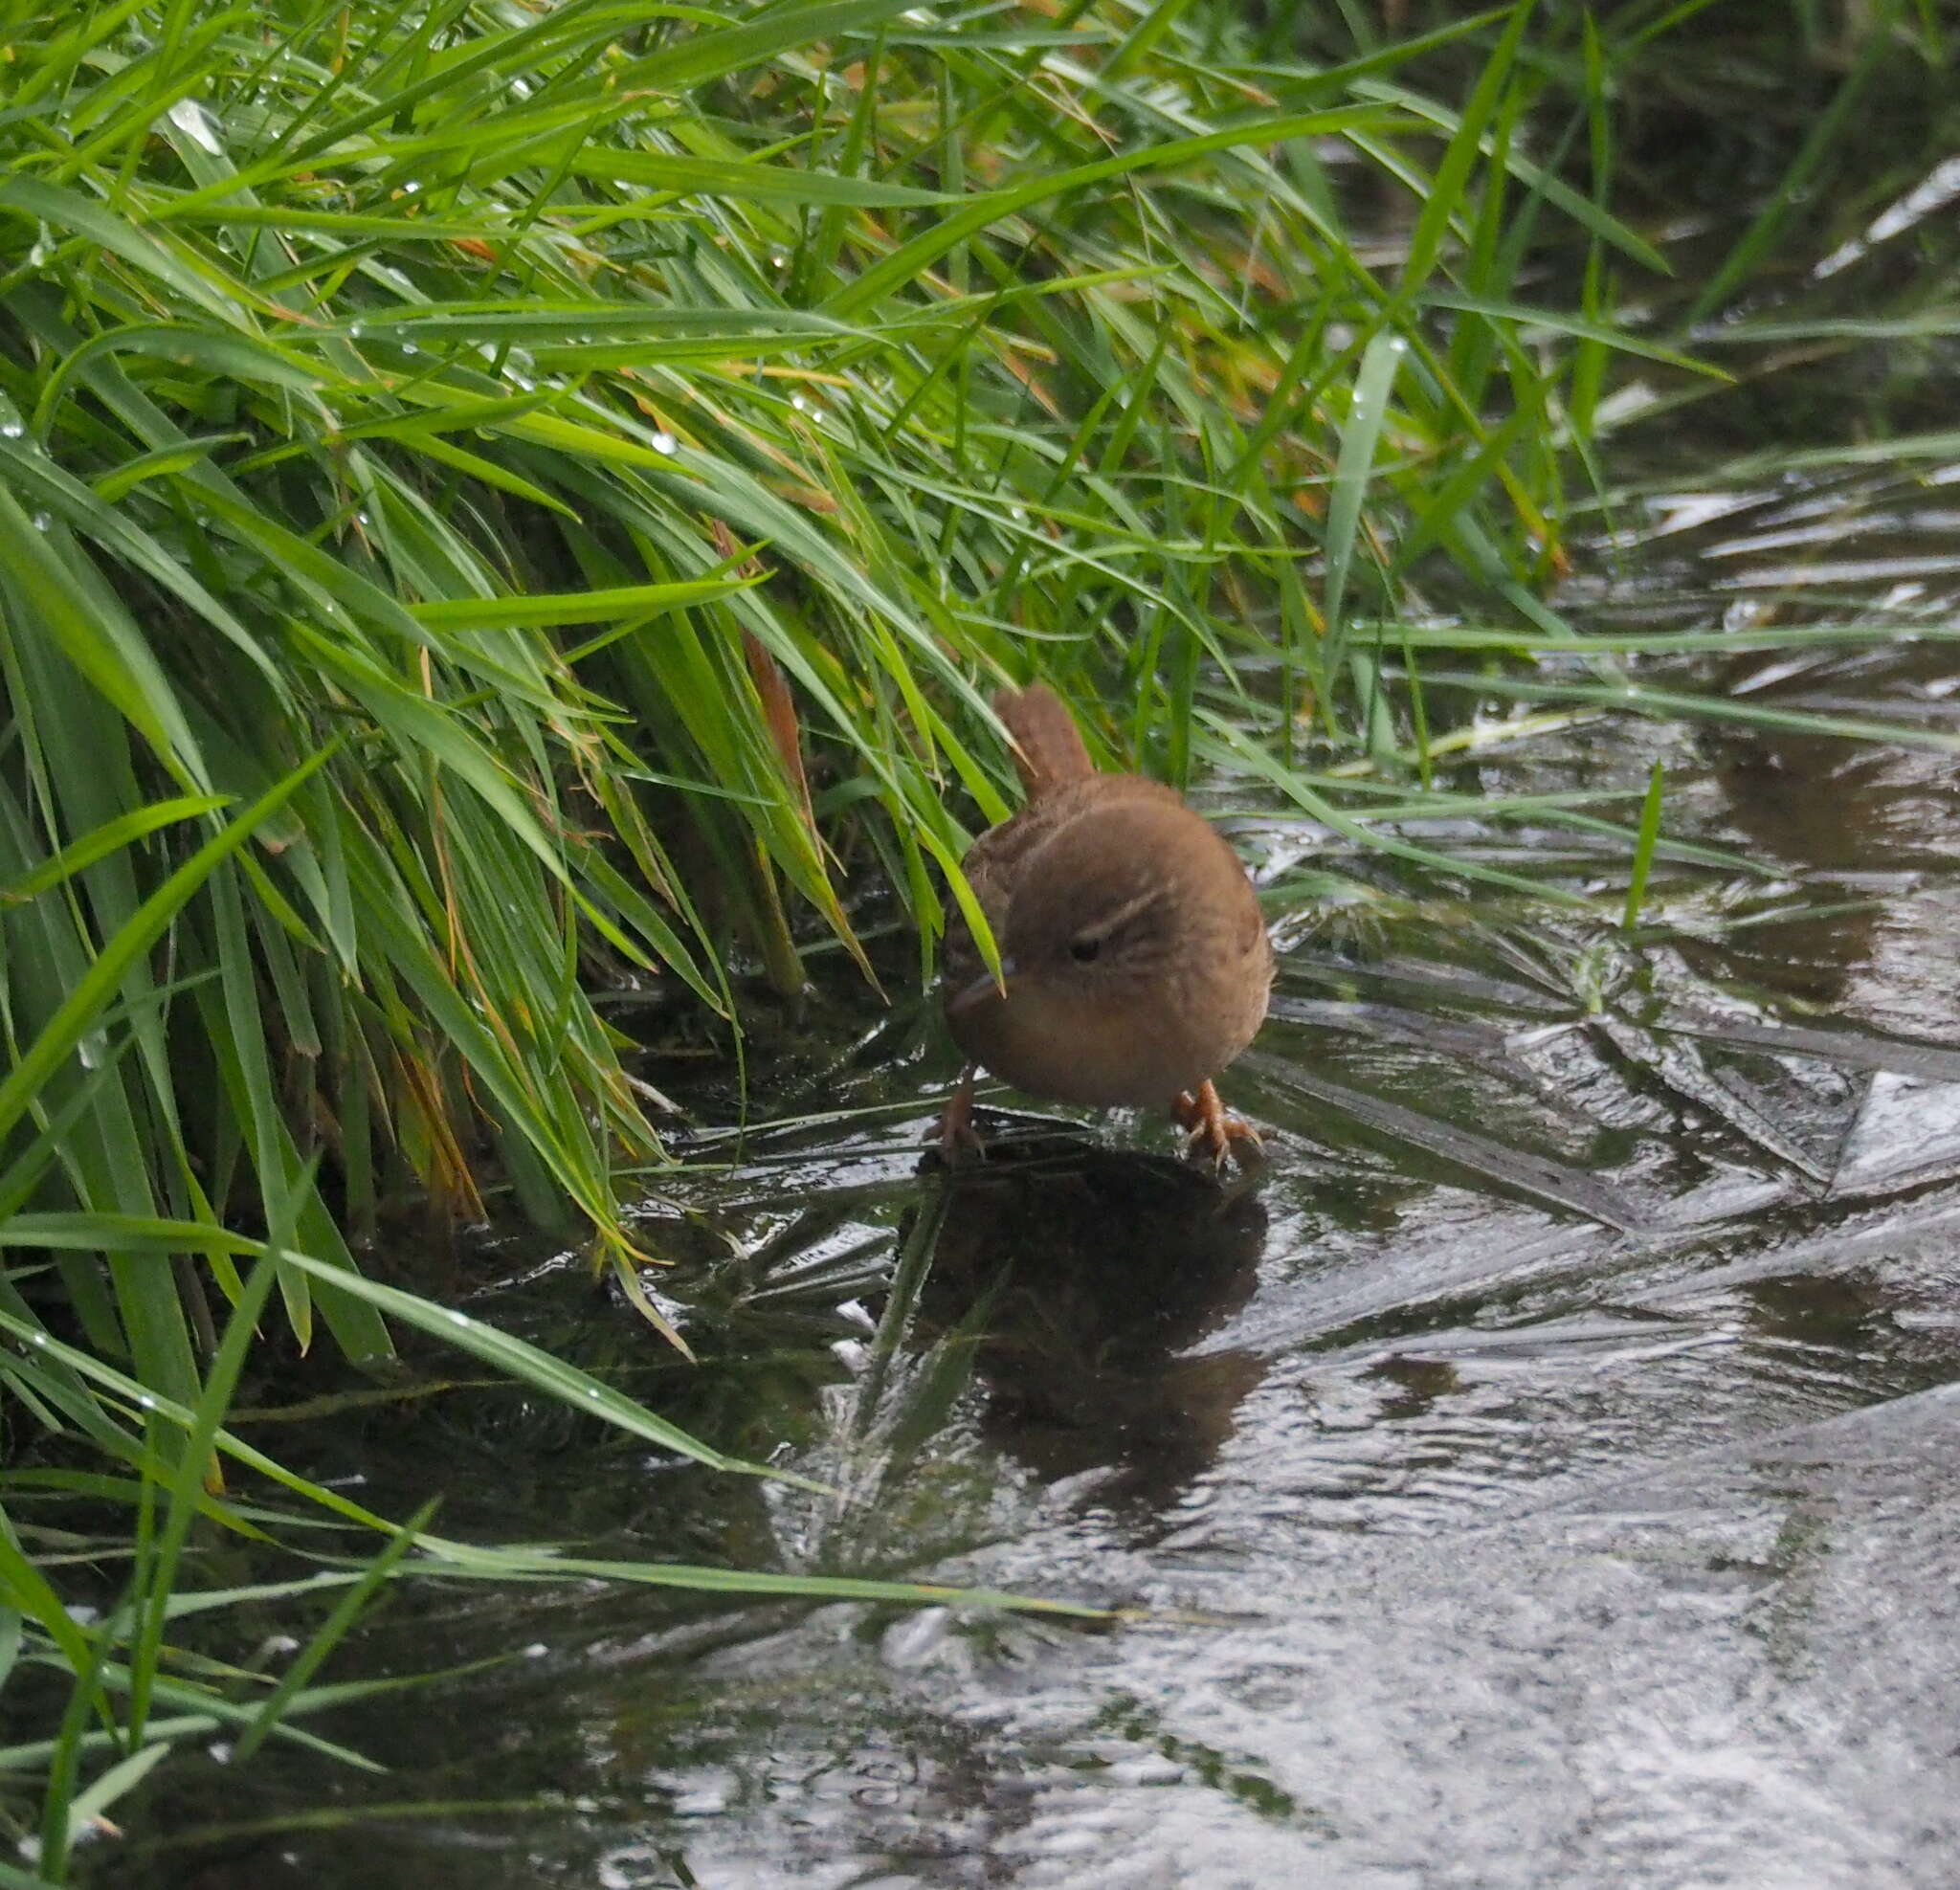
(1216, 1131)
(959, 1141)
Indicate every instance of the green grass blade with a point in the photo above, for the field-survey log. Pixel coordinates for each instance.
(1643, 850)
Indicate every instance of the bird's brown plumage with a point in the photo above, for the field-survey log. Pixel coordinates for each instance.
(1136, 958)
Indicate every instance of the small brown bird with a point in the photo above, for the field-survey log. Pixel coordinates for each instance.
(1135, 959)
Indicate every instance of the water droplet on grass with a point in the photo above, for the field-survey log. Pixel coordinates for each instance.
(195, 122)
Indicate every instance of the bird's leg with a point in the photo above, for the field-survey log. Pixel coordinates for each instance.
(958, 1138)
(1213, 1128)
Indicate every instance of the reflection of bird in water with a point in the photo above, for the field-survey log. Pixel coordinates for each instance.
(1088, 1271)
(1134, 959)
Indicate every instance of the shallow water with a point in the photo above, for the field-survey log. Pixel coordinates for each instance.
(1547, 1472)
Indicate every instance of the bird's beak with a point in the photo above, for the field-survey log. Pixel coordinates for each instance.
(982, 989)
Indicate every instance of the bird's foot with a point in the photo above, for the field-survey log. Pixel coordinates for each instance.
(1215, 1131)
(959, 1141)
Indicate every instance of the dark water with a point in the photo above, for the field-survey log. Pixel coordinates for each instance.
(1549, 1473)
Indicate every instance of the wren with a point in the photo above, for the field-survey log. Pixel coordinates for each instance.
(1134, 960)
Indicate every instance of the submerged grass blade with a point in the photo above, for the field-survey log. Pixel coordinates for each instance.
(1643, 850)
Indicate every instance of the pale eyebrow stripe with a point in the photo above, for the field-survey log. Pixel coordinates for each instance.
(1124, 914)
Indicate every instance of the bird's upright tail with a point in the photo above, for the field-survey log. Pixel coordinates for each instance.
(1048, 748)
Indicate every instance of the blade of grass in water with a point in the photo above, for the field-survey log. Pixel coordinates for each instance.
(1643, 850)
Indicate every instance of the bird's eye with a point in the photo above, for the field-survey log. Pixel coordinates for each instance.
(1084, 951)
